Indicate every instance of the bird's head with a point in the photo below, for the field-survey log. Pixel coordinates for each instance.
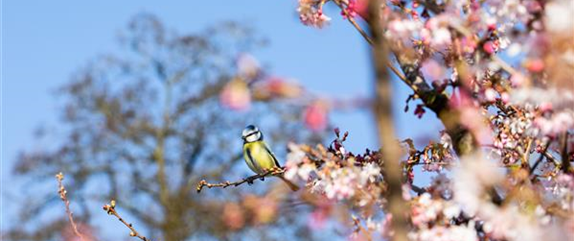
(251, 133)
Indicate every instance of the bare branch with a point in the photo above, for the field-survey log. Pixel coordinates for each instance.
(62, 191)
(111, 210)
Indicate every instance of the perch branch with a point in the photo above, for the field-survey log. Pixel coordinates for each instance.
(62, 191)
(248, 180)
(111, 210)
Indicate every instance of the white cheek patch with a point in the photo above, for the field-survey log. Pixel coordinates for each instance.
(253, 137)
(247, 132)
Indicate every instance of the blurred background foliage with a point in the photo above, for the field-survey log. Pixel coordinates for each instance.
(143, 126)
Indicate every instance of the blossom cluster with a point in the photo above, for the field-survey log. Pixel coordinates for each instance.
(340, 176)
(455, 206)
(434, 157)
(505, 68)
(334, 172)
(311, 13)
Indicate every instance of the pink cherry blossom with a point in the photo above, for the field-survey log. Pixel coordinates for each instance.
(517, 79)
(311, 13)
(315, 116)
(535, 65)
(489, 47)
(433, 70)
(490, 95)
(236, 95)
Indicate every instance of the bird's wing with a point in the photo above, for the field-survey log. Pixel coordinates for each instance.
(272, 155)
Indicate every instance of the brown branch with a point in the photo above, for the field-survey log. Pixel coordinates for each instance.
(385, 125)
(526, 153)
(551, 158)
(62, 191)
(468, 33)
(398, 73)
(370, 41)
(533, 168)
(437, 9)
(159, 151)
(360, 228)
(433, 6)
(231, 160)
(353, 22)
(505, 66)
(248, 180)
(564, 153)
(147, 218)
(111, 210)
(417, 189)
(463, 142)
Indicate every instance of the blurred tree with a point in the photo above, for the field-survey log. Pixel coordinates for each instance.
(142, 127)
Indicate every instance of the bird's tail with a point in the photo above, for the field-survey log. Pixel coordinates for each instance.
(291, 185)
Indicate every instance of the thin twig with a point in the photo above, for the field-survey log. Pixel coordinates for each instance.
(111, 210)
(351, 20)
(467, 33)
(360, 228)
(437, 9)
(551, 158)
(533, 168)
(505, 66)
(370, 41)
(249, 180)
(62, 191)
(417, 189)
(526, 153)
(565, 165)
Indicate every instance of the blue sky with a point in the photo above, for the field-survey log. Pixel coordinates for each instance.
(43, 42)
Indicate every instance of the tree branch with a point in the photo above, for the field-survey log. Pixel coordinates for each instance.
(232, 159)
(62, 191)
(111, 210)
(533, 168)
(564, 153)
(463, 141)
(370, 41)
(248, 180)
(158, 153)
(385, 125)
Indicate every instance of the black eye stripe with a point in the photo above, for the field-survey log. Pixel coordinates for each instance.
(250, 134)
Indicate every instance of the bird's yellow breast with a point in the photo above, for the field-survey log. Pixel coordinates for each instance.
(258, 157)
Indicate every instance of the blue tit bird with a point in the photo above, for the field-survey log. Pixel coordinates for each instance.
(258, 156)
